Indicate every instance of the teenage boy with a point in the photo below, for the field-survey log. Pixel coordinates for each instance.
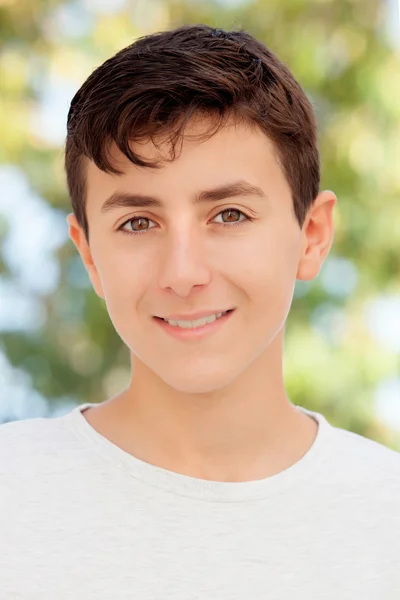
(193, 171)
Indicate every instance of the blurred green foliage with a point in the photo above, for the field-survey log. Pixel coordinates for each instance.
(339, 53)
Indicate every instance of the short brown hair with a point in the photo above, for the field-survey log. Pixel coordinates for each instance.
(155, 85)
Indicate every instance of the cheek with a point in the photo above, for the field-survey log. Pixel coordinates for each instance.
(267, 274)
(124, 276)
(262, 252)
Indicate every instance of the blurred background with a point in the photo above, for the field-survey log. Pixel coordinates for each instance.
(342, 353)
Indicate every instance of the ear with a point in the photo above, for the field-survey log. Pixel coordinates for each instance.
(77, 235)
(318, 230)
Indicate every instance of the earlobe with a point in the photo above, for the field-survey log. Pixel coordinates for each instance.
(318, 233)
(77, 236)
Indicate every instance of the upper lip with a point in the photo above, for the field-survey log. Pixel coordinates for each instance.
(195, 316)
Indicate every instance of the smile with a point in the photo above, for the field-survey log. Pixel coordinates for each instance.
(197, 322)
(186, 330)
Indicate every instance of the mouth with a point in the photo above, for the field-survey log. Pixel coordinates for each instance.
(197, 329)
(195, 323)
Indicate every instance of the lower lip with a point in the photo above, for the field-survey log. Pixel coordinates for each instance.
(193, 332)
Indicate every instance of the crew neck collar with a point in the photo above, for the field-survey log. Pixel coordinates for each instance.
(202, 489)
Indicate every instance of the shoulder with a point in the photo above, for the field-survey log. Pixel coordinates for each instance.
(363, 464)
(28, 443)
(28, 430)
(40, 458)
(365, 451)
(356, 485)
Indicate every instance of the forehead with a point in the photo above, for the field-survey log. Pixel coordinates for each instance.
(235, 151)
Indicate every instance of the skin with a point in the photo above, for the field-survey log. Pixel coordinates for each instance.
(216, 408)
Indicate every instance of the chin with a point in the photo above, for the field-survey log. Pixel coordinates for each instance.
(198, 383)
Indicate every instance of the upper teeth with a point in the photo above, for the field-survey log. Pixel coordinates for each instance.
(198, 322)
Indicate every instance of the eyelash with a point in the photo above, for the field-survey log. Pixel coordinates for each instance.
(235, 223)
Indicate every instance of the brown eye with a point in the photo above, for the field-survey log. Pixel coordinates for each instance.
(141, 221)
(142, 225)
(232, 216)
(231, 213)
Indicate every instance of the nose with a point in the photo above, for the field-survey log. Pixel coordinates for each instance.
(183, 264)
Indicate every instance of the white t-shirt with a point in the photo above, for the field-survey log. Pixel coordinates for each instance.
(81, 519)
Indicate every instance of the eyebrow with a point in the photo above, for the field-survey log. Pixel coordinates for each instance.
(128, 200)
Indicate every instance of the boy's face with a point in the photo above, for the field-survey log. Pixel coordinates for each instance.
(186, 261)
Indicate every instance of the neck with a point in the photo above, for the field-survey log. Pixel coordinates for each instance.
(246, 431)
